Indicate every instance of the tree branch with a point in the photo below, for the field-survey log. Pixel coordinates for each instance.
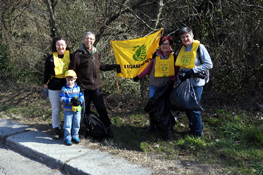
(159, 13)
(113, 18)
(51, 7)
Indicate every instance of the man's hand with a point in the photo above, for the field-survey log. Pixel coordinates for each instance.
(135, 79)
(118, 68)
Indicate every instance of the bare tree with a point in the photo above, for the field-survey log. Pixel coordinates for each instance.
(229, 29)
(51, 5)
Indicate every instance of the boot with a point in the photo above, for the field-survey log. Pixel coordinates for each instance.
(152, 125)
(56, 133)
(109, 133)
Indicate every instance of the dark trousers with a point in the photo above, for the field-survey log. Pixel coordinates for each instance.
(96, 97)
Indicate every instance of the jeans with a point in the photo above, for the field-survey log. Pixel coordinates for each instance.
(71, 124)
(152, 90)
(194, 117)
(54, 98)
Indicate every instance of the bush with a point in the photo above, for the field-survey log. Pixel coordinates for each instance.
(4, 57)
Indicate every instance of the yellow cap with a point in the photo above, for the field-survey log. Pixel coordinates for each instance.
(71, 73)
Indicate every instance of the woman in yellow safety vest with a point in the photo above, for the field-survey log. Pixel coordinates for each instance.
(161, 69)
(193, 59)
(56, 66)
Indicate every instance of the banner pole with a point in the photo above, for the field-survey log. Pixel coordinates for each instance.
(117, 84)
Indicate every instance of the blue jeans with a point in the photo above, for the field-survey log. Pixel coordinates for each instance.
(152, 90)
(71, 124)
(194, 117)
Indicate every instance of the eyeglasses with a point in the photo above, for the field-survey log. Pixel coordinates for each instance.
(165, 44)
(61, 45)
(89, 38)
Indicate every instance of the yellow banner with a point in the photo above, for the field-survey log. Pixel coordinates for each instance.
(133, 55)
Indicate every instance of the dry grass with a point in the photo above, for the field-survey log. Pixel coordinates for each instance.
(26, 106)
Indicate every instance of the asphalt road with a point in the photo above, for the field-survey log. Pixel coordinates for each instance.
(12, 163)
(37, 153)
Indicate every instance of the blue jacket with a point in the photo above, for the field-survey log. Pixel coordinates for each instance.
(67, 93)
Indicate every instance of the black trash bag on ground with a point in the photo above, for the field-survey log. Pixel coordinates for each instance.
(183, 98)
(95, 127)
(160, 113)
(166, 125)
(158, 110)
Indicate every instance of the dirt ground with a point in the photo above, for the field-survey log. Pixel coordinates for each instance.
(13, 100)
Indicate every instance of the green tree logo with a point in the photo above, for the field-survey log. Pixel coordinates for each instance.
(164, 68)
(140, 53)
(185, 60)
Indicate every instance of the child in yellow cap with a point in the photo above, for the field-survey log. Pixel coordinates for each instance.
(72, 98)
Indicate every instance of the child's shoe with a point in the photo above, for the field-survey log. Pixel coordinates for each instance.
(77, 140)
(68, 142)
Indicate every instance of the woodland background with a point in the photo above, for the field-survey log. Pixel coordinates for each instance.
(231, 30)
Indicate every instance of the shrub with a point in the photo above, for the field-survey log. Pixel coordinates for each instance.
(4, 57)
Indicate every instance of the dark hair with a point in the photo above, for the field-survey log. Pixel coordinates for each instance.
(169, 38)
(55, 39)
(185, 30)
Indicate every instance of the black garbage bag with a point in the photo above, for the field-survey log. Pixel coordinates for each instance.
(95, 127)
(166, 125)
(183, 98)
(160, 113)
(155, 103)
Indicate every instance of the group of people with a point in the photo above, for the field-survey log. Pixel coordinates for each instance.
(62, 69)
(193, 58)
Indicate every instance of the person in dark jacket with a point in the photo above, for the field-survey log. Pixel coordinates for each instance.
(86, 63)
(54, 78)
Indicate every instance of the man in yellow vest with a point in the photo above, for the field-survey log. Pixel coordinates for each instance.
(193, 59)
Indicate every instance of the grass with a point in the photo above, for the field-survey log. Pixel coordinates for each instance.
(232, 142)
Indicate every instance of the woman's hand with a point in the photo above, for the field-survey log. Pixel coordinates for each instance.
(45, 92)
(135, 79)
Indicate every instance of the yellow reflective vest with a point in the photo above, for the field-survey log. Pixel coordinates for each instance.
(186, 60)
(61, 65)
(164, 67)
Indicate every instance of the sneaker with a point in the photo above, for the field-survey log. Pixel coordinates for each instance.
(192, 134)
(56, 133)
(77, 140)
(197, 134)
(68, 142)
